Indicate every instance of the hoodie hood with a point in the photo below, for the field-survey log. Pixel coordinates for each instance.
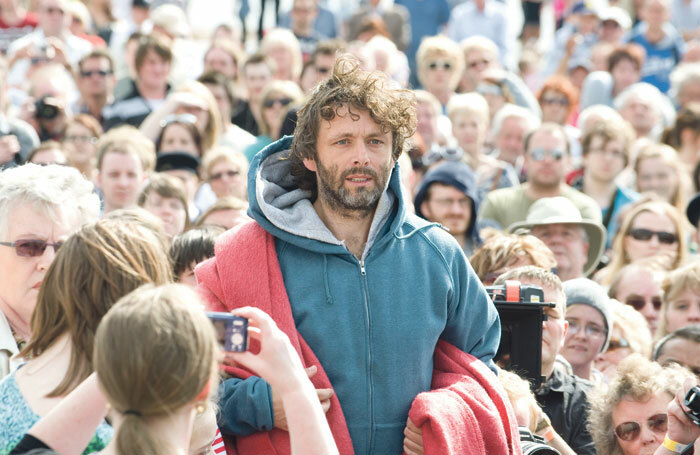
(458, 175)
(286, 211)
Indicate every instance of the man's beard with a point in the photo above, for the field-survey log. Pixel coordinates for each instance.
(332, 190)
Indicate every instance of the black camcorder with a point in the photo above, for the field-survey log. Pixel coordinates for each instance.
(46, 108)
(521, 309)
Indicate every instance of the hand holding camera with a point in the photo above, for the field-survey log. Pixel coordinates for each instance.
(684, 414)
(9, 148)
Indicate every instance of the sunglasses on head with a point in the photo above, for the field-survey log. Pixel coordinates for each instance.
(538, 154)
(668, 238)
(89, 73)
(178, 118)
(629, 431)
(444, 65)
(31, 248)
(638, 302)
(282, 102)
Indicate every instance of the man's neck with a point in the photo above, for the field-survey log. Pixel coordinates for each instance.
(156, 92)
(351, 227)
(443, 96)
(538, 192)
(95, 104)
(654, 34)
(602, 192)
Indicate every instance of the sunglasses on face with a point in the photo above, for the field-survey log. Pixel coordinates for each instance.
(220, 175)
(444, 65)
(89, 73)
(668, 238)
(31, 248)
(559, 101)
(284, 102)
(538, 154)
(638, 302)
(629, 431)
(617, 343)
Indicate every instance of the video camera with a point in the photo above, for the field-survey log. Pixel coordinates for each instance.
(521, 309)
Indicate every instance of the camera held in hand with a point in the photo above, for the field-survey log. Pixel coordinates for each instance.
(692, 402)
(533, 444)
(47, 108)
(231, 331)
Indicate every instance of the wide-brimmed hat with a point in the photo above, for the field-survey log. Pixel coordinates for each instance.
(560, 210)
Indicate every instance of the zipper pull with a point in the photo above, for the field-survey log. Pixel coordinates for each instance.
(362, 267)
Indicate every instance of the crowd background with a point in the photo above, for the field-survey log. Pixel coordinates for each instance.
(559, 134)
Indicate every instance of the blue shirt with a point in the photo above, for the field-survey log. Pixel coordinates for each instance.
(467, 20)
(661, 57)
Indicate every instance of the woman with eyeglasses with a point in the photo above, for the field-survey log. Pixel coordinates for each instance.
(629, 416)
(80, 143)
(629, 335)
(681, 302)
(278, 97)
(649, 228)
(40, 207)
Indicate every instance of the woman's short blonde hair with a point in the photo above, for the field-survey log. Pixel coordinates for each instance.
(438, 46)
(669, 156)
(677, 281)
(471, 103)
(282, 37)
(638, 379)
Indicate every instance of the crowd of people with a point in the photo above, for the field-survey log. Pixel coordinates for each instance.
(348, 177)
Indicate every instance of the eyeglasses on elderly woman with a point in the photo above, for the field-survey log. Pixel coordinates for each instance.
(31, 247)
(629, 431)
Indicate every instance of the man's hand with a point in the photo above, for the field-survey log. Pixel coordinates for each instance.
(413, 441)
(9, 147)
(324, 396)
(680, 427)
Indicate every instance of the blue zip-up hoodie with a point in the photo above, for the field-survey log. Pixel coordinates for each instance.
(373, 323)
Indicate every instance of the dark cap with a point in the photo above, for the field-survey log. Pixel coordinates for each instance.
(175, 161)
(693, 210)
(141, 3)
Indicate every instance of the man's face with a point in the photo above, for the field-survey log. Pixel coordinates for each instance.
(640, 113)
(683, 352)
(448, 206)
(477, 62)
(469, 130)
(546, 160)
(222, 101)
(625, 73)
(154, 70)
(689, 94)
(219, 60)
(323, 65)
(120, 179)
(256, 77)
(53, 18)
(303, 15)
(511, 138)
(604, 160)
(655, 12)
(353, 163)
(568, 245)
(96, 78)
(639, 289)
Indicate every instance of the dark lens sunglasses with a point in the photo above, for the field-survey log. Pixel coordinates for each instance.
(31, 248)
(538, 154)
(220, 175)
(617, 343)
(629, 431)
(282, 101)
(668, 238)
(435, 65)
(89, 73)
(638, 302)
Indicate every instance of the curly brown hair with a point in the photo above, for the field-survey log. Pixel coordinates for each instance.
(393, 109)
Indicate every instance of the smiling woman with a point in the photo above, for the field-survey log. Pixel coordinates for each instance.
(40, 206)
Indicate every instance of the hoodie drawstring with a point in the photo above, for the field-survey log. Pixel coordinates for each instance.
(325, 280)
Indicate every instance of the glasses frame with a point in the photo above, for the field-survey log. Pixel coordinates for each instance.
(636, 427)
(22, 244)
(645, 235)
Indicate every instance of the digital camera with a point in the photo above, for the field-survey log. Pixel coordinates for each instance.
(692, 402)
(231, 331)
(46, 108)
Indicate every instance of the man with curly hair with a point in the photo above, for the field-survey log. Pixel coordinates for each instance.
(372, 287)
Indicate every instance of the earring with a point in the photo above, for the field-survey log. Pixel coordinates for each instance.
(200, 407)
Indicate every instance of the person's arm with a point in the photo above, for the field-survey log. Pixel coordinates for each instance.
(246, 406)
(278, 363)
(680, 430)
(70, 425)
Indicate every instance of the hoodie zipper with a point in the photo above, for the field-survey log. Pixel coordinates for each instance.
(363, 274)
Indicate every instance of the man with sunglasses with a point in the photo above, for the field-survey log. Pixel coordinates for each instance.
(96, 82)
(639, 285)
(547, 161)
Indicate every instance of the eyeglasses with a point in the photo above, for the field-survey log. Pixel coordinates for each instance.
(668, 238)
(538, 154)
(591, 330)
(629, 431)
(178, 118)
(89, 73)
(31, 248)
(559, 101)
(476, 63)
(444, 65)
(638, 302)
(617, 343)
(75, 138)
(284, 102)
(220, 175)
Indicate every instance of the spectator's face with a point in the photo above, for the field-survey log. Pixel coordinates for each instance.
(644, 413)
(586, 335)
(120, 179)
(274, 108)
(219, 60)
(226, 179)
(555, 107)
(638, 246)
(256, 77)
(303, 14)
(617, 350)
(353, 164)
(655, 12)
(469, 130)
(510, 140)
(188, 278)
(170, 210)
(640, 114)
(546, 160)
(96, 78)
(568, 245)
(476, 63)
(219, 94)
(178, 138)
(611, 32)
(683, 310)
(79, 143)
(53, 17)
(624, 74)
(657, 177)
(641, 290)
(21, 276)
(682, 352)
(154, 70)
(427, 123)
(689, 94)
(604, 160)
(554, 328)
(50, 156)
(448, 206)
(283, 59)
(323, 65)
(439, 71)
(190, 181)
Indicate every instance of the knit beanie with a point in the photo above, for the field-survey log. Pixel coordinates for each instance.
(582, 291)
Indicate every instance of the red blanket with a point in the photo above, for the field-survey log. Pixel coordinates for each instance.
(246, 272)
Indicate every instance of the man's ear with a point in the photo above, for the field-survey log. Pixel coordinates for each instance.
(425, 210)
(310, 164)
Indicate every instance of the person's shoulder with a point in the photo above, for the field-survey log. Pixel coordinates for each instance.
(432, 233)
(504, 195)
